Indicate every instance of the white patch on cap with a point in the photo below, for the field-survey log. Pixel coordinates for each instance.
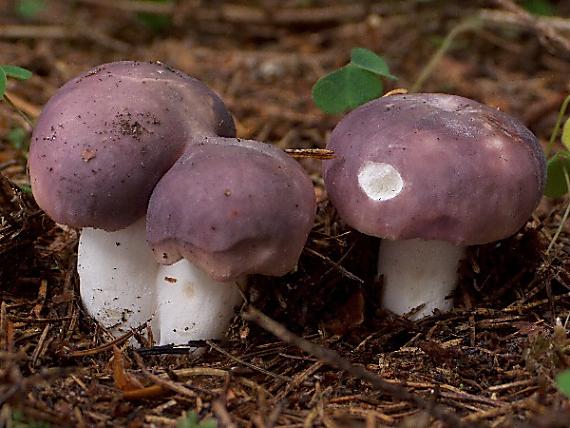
(380, 181)
(496, 143)
(446, 103)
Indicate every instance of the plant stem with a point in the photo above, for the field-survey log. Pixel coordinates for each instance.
(468, 24)
(566, 211)
(554, 134)
(17, 110)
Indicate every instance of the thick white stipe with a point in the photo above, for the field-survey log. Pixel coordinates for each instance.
(191, 306)
(380, 181)
(122, 286)
(117, 274)
(418, 272)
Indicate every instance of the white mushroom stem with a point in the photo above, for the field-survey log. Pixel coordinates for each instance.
(123, 287)
(417, 272)
(117, 274)
(192, 306)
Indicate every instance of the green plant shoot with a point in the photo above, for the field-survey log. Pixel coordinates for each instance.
(566, 135)
(14, 72)
(352, 85)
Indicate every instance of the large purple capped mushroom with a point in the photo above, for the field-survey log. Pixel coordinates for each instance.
(99, 147)
(431, 174)
(106, 137)
(229, 207)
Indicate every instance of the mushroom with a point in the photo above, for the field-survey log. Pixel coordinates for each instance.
(229, 208)
(98, 149)
(431, 174)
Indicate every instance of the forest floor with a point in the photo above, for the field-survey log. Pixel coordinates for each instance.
(489, 362)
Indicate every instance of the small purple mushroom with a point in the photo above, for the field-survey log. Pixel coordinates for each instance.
(99, 147)
(230, 208)
(431, 174)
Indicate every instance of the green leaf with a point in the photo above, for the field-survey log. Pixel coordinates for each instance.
(563, 382)
(369, 61)
(345, 89)
(3, 81)
(16, 72)
(17, 138)
(538, 7)
(566, 134)
(155, 22)
(29, 8)
(556, 181)
(25, 188)
(191, 420)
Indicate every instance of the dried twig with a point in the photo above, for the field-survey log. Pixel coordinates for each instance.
(222, 414)
(335, 265)
(61, 32)
(106, 347)
(501, 17)
(245, 363)
(164, 383)
(322, 154)
(298, 379)
(333, 359)
(548, 36)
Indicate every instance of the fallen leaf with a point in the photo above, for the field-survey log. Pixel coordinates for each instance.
(123, 380)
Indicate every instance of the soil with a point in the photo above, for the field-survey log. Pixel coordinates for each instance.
(492, 361)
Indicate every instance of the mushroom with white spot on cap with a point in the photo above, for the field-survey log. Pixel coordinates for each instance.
(431, 174)
(227, 208)
(98, 149)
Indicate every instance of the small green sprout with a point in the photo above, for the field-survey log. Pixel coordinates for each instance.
(566, 135)
(352, 85)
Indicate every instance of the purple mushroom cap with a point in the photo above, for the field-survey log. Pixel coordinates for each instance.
(434, 167)
(106, 137)
(232, 207)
